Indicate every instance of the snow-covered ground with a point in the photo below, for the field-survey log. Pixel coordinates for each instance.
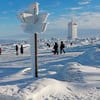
(74, 75)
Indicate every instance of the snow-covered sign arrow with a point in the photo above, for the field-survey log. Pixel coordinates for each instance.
(33, 23)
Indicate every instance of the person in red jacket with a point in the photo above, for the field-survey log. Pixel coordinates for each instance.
(0, 50)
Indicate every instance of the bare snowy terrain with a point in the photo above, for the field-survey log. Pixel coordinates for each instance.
(74, 75)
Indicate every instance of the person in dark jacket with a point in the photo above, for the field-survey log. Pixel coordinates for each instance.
(16, 49)
(62, 46)
(21, 49)
(55, 48)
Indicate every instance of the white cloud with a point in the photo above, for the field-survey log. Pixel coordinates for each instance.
(74, 8)
(85, 20)
(89, 20)
(83, 3)
(58, 23)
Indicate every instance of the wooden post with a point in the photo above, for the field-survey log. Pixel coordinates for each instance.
(36, 58)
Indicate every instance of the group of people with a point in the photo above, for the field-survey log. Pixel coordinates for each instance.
(21, 49)
(55, 48)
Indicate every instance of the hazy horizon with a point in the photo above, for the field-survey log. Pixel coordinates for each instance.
(60, 34)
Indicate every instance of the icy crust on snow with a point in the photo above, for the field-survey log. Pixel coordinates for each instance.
(9, 92)
(75, 72)
(45, 89)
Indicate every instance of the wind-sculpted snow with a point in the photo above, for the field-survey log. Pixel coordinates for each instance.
(74, 75)
(91, 56)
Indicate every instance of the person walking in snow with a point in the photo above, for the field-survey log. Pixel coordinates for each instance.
(21, 49)
(55, 48)
(62, 46)
(16, 49)
(0, 50)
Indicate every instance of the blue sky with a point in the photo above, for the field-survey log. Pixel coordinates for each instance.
(85, 12)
